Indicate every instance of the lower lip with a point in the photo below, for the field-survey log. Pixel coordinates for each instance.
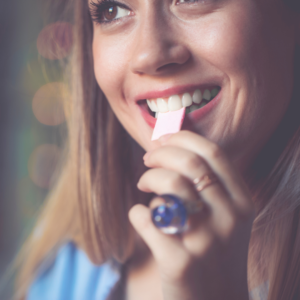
(194, 116)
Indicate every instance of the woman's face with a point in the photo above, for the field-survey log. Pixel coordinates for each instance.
(241, 50)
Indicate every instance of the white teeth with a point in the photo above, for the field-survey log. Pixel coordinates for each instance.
(150, 105)
(174, 103)
(154, 106)
(186, 100)
(162, 105)
(206, 95)
(197, 96)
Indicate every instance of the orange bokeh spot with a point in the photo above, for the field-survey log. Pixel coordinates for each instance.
(42, 164)
(55, 40)
(48, 103)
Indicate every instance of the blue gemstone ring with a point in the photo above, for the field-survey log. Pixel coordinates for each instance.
(171, 217)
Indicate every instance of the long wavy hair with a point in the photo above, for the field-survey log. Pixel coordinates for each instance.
(97, 185)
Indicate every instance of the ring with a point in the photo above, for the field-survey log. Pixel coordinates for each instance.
(171, 217)
(203, 182)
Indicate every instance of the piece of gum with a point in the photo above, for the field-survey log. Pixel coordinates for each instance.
(167, 123)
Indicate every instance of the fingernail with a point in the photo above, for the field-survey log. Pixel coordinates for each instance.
(163, 139)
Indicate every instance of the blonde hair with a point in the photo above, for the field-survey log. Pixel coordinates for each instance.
(96, 188)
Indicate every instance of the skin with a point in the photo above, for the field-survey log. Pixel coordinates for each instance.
(247, 48)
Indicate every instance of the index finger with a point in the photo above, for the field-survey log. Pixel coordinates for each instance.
(218, 162)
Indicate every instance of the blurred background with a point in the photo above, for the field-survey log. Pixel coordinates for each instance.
(32, 122)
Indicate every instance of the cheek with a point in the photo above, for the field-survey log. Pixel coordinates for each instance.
(241, 47)
(226, 41)
(240, 43)
(109, 65)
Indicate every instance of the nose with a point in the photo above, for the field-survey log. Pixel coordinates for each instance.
(158, 49)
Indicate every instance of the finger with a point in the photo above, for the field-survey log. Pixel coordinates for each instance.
(162, 181)
(192, 166)
(156, 201)
(166, 249)
(219, 163)
(177, 159)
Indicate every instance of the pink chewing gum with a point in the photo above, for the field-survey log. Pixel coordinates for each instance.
(169, 122)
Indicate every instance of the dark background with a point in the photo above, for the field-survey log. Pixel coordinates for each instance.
(29, 148)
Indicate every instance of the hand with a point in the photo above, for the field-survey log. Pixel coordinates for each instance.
(209, 261)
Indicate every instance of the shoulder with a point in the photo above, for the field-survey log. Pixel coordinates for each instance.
(70, 275)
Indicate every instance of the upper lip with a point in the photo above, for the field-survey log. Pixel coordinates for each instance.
(175, 90)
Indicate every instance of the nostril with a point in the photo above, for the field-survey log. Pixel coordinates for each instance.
(159, 57)
(166, 67)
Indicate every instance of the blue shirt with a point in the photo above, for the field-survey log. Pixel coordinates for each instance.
(72, 276)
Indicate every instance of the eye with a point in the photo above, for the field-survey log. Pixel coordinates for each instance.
(107, 11)
(114, 12)
(190, 10)
(186, 1)
(178, 2)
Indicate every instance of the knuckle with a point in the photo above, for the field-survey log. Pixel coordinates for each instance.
(215, 151)
(174, 182)
(191, 162)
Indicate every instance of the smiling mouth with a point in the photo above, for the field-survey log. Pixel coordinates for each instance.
(191, 100)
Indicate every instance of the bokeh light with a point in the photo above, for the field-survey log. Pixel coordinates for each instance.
(42, 164)
(48, 103)
(35, 73)
(31, 77)
(55, 40)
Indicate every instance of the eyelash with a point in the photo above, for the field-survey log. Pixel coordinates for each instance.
(97, 9)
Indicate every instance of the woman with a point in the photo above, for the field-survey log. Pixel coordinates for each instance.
(243, 58)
